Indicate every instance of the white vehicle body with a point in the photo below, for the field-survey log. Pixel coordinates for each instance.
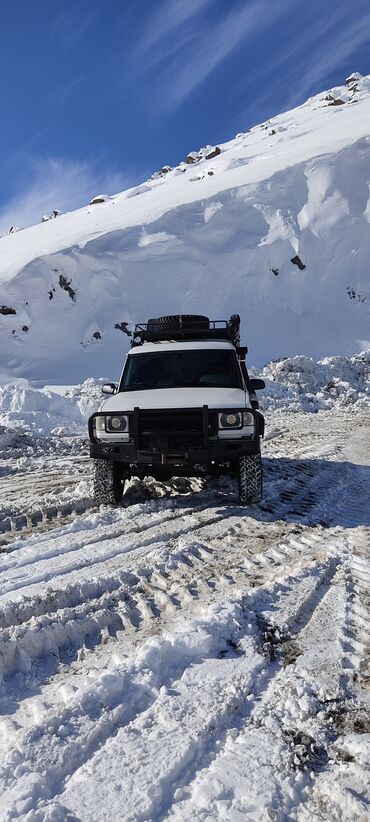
(196, 397)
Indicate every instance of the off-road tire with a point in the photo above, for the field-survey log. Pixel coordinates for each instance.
(108, 484)
(175, 321)
(250, 479)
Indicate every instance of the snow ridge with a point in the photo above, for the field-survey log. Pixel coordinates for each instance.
(277, 225)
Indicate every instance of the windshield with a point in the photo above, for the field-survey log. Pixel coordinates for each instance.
(210, 368)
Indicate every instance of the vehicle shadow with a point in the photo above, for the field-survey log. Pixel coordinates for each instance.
(308, 492)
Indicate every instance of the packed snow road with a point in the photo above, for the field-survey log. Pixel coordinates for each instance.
(183, 657)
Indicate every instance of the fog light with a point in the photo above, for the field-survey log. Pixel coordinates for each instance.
(99, 423)
(248, 418)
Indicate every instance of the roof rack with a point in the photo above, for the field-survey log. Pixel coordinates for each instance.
(214, 330)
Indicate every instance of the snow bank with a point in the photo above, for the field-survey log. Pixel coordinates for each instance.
(301, 384)
(43, 412)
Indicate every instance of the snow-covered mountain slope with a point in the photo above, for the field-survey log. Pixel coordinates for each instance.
(215, 236)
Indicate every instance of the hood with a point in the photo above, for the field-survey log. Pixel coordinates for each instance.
(177, 398)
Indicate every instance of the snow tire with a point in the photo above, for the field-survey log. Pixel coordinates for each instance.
(108, 483)
(250, 479)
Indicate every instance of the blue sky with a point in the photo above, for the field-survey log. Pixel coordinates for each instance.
(97, 94)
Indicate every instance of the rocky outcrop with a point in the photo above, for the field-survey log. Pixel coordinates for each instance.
(66, 286)
(213, 153)
(297, 261)
(192, 157)
(100, 198)
(6, 309)
(354, 78)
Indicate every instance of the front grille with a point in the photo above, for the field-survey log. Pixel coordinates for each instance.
(172, 430)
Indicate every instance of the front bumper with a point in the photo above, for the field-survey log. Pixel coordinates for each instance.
(186, 448)
(216, 452)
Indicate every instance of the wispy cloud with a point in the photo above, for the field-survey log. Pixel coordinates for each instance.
(344, 43)
(56, 183)
(225, 37)
(166, 29)
(62, 93)
(71, 25)
(183, 43)
(297, 67)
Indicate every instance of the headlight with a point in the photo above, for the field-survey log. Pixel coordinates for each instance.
(230, 420)
(114, 424)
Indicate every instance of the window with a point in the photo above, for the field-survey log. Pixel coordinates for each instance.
(201, 368)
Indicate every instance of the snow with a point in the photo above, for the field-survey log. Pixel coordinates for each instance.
(212, 237)
(181, 656)
(332, 383)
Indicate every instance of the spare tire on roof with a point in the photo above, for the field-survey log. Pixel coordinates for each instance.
(174, 322)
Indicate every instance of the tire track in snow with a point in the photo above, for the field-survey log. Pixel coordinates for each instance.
(107, 711)
(46, 647)
(204, 715)
(283, 716)
(305, 596)
(81, 559)
(43, 625)
(37, 489)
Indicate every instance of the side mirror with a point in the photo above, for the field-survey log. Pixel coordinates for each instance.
(256, 384)
(109, 388)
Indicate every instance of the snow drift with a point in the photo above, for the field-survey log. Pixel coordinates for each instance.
(276, 226)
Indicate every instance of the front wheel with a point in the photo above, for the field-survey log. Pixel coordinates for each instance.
(108, 482)
(250, 479)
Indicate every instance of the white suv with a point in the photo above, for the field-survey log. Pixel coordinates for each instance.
(184, 406)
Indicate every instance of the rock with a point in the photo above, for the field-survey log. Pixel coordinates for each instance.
(297, 261)
(192, 157)
(353, 295)
(66, 286)
(165, 169)
(45, 218)
(100, 198)
(14, 228)
(5, 309)
(56, 213)
(336, 102)
(213, 153)
(354, 77)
